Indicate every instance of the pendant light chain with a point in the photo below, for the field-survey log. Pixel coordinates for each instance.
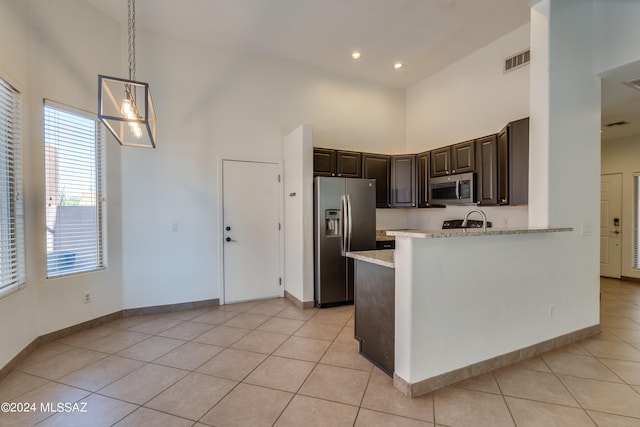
(132, 40)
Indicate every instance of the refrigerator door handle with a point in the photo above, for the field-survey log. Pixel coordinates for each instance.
(343, 220)
(349, 223)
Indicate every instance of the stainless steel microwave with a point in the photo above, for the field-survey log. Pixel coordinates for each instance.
(453, 189)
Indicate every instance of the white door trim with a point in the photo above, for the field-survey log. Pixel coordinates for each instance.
(221, 158)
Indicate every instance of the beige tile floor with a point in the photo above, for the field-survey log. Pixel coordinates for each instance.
(269, 363)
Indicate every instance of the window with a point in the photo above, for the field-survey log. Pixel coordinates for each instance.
(636, 217)
(11, 216)
(75, 208)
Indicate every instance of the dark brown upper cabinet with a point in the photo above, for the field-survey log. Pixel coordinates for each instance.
(348, 164)
(403, 181)
(457, 158)
(423, 179)
(327, 162)
(324, 162)
(378, 167)
(487, 170)
(500, 161)
(463, 157)
(513, 163)
(441, 162)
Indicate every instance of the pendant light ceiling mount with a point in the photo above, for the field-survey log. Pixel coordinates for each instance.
(125, 106)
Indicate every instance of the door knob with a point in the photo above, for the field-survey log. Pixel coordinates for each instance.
(617, 231)
(229, 239)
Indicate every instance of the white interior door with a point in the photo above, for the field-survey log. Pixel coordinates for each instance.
(251, 230)
(610, 225)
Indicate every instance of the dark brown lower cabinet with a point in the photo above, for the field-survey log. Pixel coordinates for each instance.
(375, 312)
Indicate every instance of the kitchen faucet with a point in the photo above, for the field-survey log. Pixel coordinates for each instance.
(466, 218)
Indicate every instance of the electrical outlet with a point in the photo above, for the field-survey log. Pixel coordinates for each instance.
(87, 297)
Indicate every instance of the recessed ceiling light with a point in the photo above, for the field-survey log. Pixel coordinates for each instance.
(398, 65)
(356, 55)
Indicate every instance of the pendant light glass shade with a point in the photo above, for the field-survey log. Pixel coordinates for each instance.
(126, 109)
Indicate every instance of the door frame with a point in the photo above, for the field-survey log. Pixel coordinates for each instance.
(221, 158)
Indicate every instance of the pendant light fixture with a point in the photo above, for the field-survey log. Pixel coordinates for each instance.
(125, 106)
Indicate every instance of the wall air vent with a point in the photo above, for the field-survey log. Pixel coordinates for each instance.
(615, 124)
(516, 61)
(634, 84)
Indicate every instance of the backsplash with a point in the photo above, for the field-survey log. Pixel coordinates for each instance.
(500, 216)
(431, 219)
(392, 219)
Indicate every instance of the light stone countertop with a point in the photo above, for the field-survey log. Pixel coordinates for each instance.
(383, 257)
(381, 235)
(473, 232)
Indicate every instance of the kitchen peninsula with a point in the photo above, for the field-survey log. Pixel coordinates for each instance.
(461, 311)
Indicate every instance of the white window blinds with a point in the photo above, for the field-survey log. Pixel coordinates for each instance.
(75, 208)
(11, 209)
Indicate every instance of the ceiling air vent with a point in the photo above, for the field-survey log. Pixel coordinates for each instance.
(634, 84)
(614, 124)
(516, 61)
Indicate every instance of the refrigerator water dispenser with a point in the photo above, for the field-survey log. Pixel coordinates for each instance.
(332, 222)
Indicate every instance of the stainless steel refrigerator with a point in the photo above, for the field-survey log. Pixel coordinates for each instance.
(344, 220)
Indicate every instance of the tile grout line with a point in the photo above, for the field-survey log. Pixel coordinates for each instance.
(249, 373)
(504, 398)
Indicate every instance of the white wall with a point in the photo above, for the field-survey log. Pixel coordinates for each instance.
(298, 213)
(500, 289)
(623, 156)
(18, 324)
(212, 102)
(568, 132)
(471, 98)
(616, 34)
(55, 50)
(505, 285)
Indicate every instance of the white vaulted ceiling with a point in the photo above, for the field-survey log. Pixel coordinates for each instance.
(425, 35)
